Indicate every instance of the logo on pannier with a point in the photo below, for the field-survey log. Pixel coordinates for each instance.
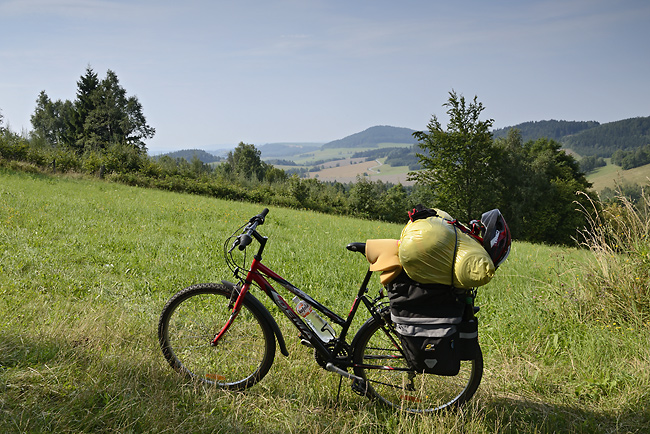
(430, 362)
(429, 347)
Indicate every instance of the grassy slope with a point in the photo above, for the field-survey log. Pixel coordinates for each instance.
(86, 267)
(610, 175)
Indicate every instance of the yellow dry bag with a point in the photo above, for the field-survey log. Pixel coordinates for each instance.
(433, 250)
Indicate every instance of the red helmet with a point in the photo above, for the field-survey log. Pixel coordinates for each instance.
(496, 239)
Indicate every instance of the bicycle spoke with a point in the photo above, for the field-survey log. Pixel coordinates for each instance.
(398, 386)
(190, 322)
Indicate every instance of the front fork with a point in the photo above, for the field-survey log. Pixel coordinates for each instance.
(234, 305)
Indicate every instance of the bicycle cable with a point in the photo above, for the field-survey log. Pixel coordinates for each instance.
(228, 248)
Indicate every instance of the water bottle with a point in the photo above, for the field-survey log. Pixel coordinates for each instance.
(324, 331)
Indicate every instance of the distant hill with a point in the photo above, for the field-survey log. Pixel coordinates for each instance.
(279, 150)
(552, 129)
(588, 138)
(374, 136)
(607, 138)
(583, 137)
(189, 154)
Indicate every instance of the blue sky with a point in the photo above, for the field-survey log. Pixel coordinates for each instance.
(215, 73)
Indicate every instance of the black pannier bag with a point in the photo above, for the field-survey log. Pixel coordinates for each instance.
(429, 320)
(468, 346)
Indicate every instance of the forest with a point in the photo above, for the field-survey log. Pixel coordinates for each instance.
(551, 129)
(606, 139)
(102, 133)
(588, 138)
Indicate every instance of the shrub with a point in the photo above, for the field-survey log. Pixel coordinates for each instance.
(39, 157)
(123, 158)
(92, 162)
(66, 161)
(151, 169)
(12, 146)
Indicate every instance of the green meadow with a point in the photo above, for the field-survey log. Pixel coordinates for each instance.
(610, 175)
(86, 267)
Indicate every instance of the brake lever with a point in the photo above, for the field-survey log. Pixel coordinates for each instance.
(234, 244)
(245, 239)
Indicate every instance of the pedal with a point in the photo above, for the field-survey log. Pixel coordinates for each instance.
(359, 387)
(305, 342)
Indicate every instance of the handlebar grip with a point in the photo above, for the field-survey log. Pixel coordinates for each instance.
(259, 219)
(244, 240)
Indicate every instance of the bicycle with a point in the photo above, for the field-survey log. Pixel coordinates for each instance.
(222, 335)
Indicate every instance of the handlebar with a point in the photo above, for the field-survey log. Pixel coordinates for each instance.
(246, 238)
(260, 217)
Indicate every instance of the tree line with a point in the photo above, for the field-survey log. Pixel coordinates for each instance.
(632, 158)
(551, 129)
(591, 163)
(465, 171)
(395, 156)
(101, 116)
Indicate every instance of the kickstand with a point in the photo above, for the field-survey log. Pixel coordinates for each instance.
(338, 394)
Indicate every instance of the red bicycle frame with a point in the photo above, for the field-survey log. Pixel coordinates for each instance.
(259, 273)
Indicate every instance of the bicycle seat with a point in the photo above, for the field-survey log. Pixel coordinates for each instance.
(357, 247)
(383, 256)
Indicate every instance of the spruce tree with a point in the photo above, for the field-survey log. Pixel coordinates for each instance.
(457, 162)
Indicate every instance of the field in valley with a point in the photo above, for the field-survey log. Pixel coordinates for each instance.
(345, 171)
(340, 167)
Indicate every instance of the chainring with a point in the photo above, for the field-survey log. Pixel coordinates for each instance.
(343, 354)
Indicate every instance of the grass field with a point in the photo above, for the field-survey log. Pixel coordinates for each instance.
(86, 266)
(339, 168)
(374, 170)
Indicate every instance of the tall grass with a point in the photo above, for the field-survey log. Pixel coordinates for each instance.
(617, 279)
(86, 266)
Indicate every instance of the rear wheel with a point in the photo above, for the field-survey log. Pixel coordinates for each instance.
(377, 343)
(192, 318)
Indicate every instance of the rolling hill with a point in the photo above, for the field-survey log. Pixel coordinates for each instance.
(375, 144)
(189, 154)
(551, 129)
(373, 136)
(282, 150)
(605, 139)
(587, 138)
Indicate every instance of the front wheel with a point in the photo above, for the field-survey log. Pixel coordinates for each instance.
(192, 318)
(377, 353)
